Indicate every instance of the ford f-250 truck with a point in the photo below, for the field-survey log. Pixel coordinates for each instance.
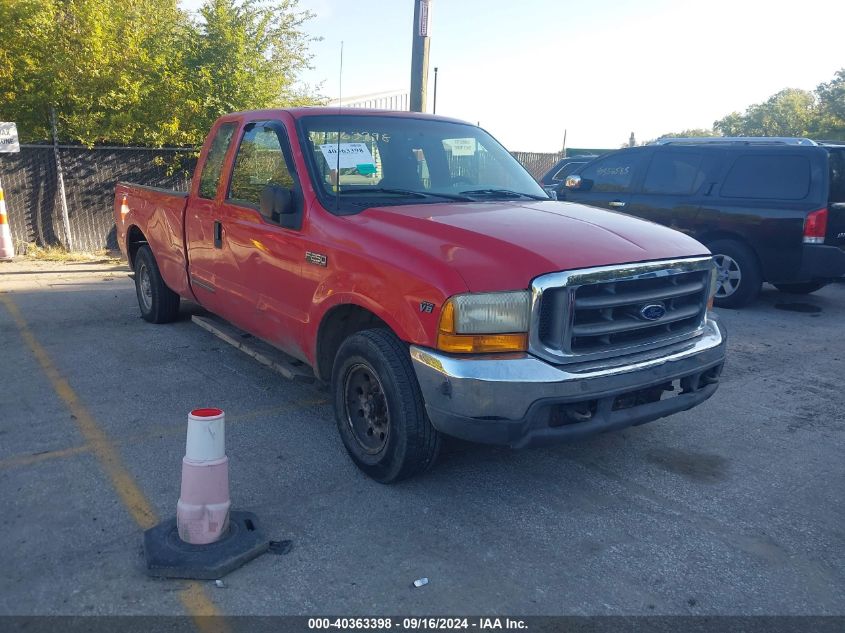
(421, 271)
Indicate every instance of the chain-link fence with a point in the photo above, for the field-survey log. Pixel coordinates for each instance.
(33, 199)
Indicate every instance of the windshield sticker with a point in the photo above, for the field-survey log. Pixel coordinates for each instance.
(460, 146)
(365, 169)
(351, 155)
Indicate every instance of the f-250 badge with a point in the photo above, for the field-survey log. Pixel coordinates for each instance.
(316, 258)
(426, 307)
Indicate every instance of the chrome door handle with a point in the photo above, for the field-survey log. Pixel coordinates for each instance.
(616, 203)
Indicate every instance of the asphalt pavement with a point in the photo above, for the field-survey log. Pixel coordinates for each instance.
(734, 507)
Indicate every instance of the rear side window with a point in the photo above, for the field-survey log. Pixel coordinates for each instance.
(612, 174)
(674, 173)
(214, 161)
(769, 177)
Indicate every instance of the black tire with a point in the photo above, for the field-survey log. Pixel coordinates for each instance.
(804, 288)
(379, 408)
(158, 303)
(735, 258)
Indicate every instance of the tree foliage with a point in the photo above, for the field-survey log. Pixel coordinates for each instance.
(792, 112)
(143, 71)
(818, 114)
(692, 132)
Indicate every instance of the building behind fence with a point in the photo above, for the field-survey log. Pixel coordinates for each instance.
(30, 184)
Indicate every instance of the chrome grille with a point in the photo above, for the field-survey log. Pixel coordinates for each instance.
(616, 310)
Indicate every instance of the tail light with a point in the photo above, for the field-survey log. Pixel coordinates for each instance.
(815, 227)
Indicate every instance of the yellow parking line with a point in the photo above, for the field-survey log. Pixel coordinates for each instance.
(193, 596)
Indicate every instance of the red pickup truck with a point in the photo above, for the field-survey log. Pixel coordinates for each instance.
(421, 271)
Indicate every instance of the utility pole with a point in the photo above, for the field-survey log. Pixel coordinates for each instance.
(419, 54)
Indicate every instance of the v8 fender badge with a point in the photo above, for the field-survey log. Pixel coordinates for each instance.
(316, 258)
(426, 307)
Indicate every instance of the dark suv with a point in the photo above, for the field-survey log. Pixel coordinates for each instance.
(770, 209)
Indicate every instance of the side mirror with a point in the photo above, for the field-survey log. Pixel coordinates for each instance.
(573, 182)
(276, 202)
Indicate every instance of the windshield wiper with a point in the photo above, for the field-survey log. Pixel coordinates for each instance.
(505, 193)
(404, 192)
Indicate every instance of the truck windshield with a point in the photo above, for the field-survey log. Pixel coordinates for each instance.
(381, 160)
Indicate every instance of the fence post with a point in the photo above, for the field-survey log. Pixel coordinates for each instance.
(61, 181)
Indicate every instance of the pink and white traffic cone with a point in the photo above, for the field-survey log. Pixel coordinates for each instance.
(202, 512)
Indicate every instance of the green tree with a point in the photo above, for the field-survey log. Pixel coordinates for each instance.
(143, 71)
(106, 66)
(692, 132)
(790, 112)
(246, 55)
(831, 96)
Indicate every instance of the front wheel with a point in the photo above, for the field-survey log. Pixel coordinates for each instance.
(739, 279)
(379, 409)
(801, 288)
(158, 303)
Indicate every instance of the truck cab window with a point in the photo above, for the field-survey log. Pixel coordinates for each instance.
(260, 162)
(214, 161)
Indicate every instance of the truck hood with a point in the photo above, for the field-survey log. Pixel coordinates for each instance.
(504, 245)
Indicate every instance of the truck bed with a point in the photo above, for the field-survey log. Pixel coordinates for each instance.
(159, 215)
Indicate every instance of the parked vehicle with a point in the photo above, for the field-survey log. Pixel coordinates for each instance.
(418, 268)
(556, 176)
(770, 209)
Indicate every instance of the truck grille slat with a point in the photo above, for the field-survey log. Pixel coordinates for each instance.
(616, 310)
(627, 323)
(611, 300)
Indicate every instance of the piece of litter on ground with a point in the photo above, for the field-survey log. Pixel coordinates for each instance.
(420, 582)
(280, 547)
(220, 584)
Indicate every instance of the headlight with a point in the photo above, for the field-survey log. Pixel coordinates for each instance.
(485, 322)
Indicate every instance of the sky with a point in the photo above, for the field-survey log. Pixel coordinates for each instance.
(528, 70)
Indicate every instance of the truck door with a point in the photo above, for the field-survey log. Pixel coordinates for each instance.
(266, 253)
(203, 229)
(610, 181)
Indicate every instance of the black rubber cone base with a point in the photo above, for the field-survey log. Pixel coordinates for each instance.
(169, 556)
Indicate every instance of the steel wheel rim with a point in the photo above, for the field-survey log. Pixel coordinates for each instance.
(146, 287)
(367, 414)
(728, 275)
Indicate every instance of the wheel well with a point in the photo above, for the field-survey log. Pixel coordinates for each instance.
(337, 325)
(134, 240)
(709, 238)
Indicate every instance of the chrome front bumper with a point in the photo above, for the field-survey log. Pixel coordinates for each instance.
(520, 400)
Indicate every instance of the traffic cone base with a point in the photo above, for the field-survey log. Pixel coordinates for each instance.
(168, 556)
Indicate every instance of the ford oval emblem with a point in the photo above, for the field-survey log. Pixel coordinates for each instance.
(653, 311)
